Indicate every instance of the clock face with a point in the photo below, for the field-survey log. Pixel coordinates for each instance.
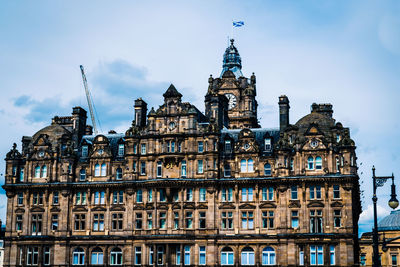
(231, 100)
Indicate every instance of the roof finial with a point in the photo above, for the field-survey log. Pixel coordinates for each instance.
(232, 40)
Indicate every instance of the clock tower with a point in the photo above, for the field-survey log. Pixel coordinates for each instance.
(239, 91)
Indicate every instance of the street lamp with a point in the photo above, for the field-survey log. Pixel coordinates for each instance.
(379, 181)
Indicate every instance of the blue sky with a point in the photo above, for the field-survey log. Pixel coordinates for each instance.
(342, 52)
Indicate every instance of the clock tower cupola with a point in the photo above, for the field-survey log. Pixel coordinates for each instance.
(239, 91)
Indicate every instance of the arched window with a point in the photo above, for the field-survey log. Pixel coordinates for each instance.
(250, 165)
(318, 163)
(310, 163)
(337, 165)
(247, 256)
(119, 174)
(227, 257)
(268, 256)
(183, 168)
(82, 175)
(37, 172)
(97, 170)
(159, 169)
(97, 256)
(78, 256)
(103, 169)
(267, 169)
(44, 171)
(243, 165)
(116, 256)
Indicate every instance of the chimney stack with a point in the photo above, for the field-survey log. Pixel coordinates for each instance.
(283, 112)
(140, 113)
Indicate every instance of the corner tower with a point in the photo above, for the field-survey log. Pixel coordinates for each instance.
(239, 90)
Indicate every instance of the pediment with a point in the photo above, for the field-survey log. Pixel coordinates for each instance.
(55, 209)
(337, 204)
(313, 144)
(20, 210)
(313, 129)
(247, 206)
(315, 204)
(227, 206)
(162, 207)
(80, 209)
(117, 208)
(202, 206)
(138, 207)
(176, 206)
(149, 206)
(99, 209)
(188, 206)
(37, 209)
(267, 205)
(294, 204)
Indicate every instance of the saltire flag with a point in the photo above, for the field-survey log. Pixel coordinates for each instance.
(238, 23)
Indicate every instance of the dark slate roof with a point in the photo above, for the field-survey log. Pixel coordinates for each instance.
(259, 133)
(391, 222)
(112, 139)
(172, 92)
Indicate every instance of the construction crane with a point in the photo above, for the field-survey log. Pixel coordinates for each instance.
(89, 100)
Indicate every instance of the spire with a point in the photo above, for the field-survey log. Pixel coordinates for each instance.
(232, 61)
(172, 92)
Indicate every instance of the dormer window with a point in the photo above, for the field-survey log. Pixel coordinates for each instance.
(85, 151)
(267, 144)
(143, 149)
(37, 172)
(310, 162)
(43, 173)
(121, 150)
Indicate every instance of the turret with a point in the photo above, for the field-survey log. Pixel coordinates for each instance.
(283, 112)
(140, 113)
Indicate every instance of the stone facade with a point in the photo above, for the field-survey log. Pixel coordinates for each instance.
(185, 188)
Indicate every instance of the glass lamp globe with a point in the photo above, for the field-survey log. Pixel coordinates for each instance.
(393, 203)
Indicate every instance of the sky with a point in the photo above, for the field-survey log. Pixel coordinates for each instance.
(342, 52)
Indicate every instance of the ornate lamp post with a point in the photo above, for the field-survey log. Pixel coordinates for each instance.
(379, 181)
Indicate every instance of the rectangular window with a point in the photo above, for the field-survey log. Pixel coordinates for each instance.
(142, 168)
(143, 149)
(46, 256)
(159, 168)
(121, 150)
(150, 195)
(200, 146)
(228, 145)
(21, 174)
(117, 221)
(227, 194)
(183, 168)
(138, 255)
(172, 146)
(178, 255)
(36, 224)
(336, 191)
(55, 198)
(268, 219)
(54, 222)
(189, 220)
(84, 151)
(134, 166)
(118, 197)
(295, 218)
(200, 166)
(98, 222)
(315, 192)
(202, 255)
(337, 218)
(20, 199)
(175, 196)
(187, 255)
(139, 196)
(227, 220)
(179, 146)
(267, 144)
(80, 198)
(316, 221)
(176, 220)
(149, 220)
(37, 198)
(80, 222)
(18, 222)
(301, 256)
(99, 198)
(293, 191)
(202, 194)
(332, 255)
(139, 220)
(247, 194)
(162, 195)
(247, 220)
(189, 194)
(227, 170)
(32, 256)
(202, 219)
(163, 218)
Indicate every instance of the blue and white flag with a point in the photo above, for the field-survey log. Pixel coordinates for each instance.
(238, 23)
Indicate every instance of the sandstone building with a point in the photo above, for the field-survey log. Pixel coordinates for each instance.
(180, 187)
